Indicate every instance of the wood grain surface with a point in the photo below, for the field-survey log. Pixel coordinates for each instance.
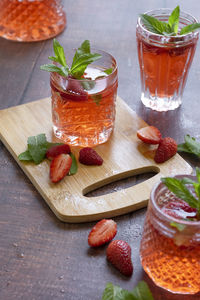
(41, 257)
(67, 199)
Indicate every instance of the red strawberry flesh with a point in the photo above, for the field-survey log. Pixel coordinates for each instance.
(119, 254)
(149, 135)
(180, 209)
(103, 232)
(89, 156)
(56, 150)
(60, 167)
(166, 149)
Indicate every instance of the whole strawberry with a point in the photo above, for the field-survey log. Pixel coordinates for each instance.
(119, 254)
(166, 149)
(89, 156)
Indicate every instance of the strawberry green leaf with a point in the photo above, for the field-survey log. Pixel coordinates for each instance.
(74, 166)
(142, 291)
(174, 19)
(25, 156)
(189, 28)
(37, 147)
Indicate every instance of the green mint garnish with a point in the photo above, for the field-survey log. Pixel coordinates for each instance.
(82, 58)
(140, 292)
(108, 71)
(37, 147)
(179, 188)
(97, 98)
(190, 146)
(179, 226)
(74, 166)
(169, 29)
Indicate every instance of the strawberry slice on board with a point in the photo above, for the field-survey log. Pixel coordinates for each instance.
(149, 135)
(60, 167)
(88, 156)
(119, 254)
(166, 149)
(103, 232)
(56, 150)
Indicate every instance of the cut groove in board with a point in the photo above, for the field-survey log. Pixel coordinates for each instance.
(66, 198)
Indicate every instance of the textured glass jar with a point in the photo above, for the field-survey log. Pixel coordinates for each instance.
(31, 20)
(170, 257)
(164, 62)
(83, 111)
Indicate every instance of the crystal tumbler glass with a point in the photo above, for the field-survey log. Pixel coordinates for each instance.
(83, 110)
(170, 257)
(31, 20)
(164, 62)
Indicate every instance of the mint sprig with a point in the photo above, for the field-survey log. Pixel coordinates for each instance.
(140, 292)
(82, 58)
(180, 189)
(190, 146)
(37, 147)
(169, 29)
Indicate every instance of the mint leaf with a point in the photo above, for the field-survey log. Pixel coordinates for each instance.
(37, 147)
(52, 68)
(88, 85)
(25, 156)
(97, 98)
(179, 226)
(154, 25)
(190, 146)
(83, 49)
(189, 28)
(114, 292)
(79, 65)
(74, 166)
(177, 187)
(59, 53)
(108, 71)
(174, 20)
(142, 291)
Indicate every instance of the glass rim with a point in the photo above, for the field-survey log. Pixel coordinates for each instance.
(115, 69)
(158, 210)
(166, 38)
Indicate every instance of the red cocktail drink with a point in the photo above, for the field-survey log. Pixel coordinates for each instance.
(170, 246)
(33, 20)
(164, 62)
(83, 111)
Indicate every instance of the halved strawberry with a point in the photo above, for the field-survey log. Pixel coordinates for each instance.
(180, 209)
(75, 90)
(60, 167)
(166, 149)
(56, 150)
(103, 232)
(119, 254)
(149, 135)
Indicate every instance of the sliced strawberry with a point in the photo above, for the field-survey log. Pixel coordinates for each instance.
(180, 209)
(60, 167)
(119, 254)
(56, 150)
(166, 149)
(103, 232)
(149, 135)
(75, 90)
(89, 156)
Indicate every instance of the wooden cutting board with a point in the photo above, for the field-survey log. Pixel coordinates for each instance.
(124, 155)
